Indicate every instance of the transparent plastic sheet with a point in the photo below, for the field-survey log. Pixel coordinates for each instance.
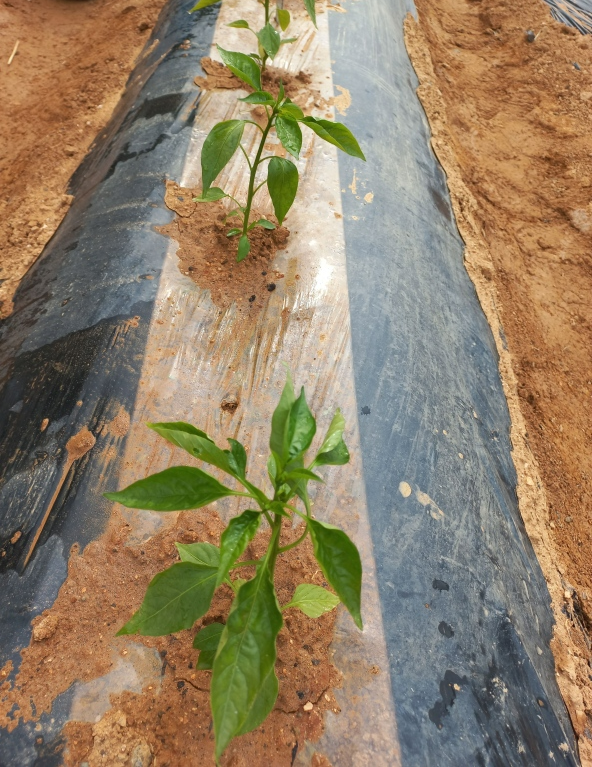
(452, 588)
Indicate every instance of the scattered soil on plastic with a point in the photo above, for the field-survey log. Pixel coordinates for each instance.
(219, 77)
(208, 256)
(57, 94)
(516, 150)
(169, 720)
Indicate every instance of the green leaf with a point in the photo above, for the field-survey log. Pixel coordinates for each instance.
(233, 232)
(195, 442)
(334, 432)
(301, 427)
(220, 144)
(289, 133)
(244, 247)
(279, 424)
(272, 469)
(291, 111)
(244, 686)
(336, 457)
(310, 7)
(282, 182)
(174, 600)
(203, 4)
(287, 40)
(237, 458)
(239, 24)
(269, 40)
(283, 18)
(333, 450)
(244, 67)
(264, 223)
(235, 539)
(341, 565)
(199, 553)
(259, 97)
(313, 600)
(302, 474)
(206, 641)
(263, 703)
(213, 194)
(175, 489)
(336, 134)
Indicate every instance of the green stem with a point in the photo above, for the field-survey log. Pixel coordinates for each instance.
(264, 57)
(295, 543)
(254, 167)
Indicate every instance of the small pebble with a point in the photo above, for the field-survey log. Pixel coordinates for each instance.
(577, 66)
(307, 706)
(530, 36)
(251, 299)
(271, 287)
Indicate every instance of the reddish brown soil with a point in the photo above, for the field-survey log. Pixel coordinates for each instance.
(73, 60)
(517, 151)
(170, 719)
(220, 77)
(208, 256)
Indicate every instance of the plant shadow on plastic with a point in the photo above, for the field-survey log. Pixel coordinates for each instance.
(242, 653)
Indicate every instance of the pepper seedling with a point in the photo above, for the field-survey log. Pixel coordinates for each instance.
(282, 174)
(269, 40)
(242, 652)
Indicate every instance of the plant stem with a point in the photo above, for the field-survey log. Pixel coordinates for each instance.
(257, 160)
(294, 543)
(264, 57)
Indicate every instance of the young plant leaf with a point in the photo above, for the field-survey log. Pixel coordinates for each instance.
(279, 425)
(269, 40)
(213, 194)
(333, 451)
(301, 427)
(283, 18)
(244, 247)
(237, 458)
(199, 553)
(290, 135)
(195, 442)
(174, 600)
(235, 539)
(287, 40)
(233, 232)
(244, 685)
(239, 24)
(259, 97)
(282, 182)
(264, 223)
(206, 641)
(310, 7)
(291, 111)
(220, 144)
(336, 134)
(336, 457)
(244, 67)
(313, 600)
(203, 4)
(341, 565)
(302, 474)
(175, 489)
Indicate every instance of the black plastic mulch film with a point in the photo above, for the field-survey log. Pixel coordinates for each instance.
(473, 677)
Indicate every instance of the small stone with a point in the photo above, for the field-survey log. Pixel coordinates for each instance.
(307, 706)
(46, 628)
(530, 36)
(15, 537)
(70, 151)
(529, 481)
(141, 755)
(271, 287)
(569, 519)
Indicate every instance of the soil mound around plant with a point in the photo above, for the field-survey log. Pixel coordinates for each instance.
(168, 719)
(208, 256)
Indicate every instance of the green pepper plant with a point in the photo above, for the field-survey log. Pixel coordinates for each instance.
(242, 653)
(282, 174)
(269, 40)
